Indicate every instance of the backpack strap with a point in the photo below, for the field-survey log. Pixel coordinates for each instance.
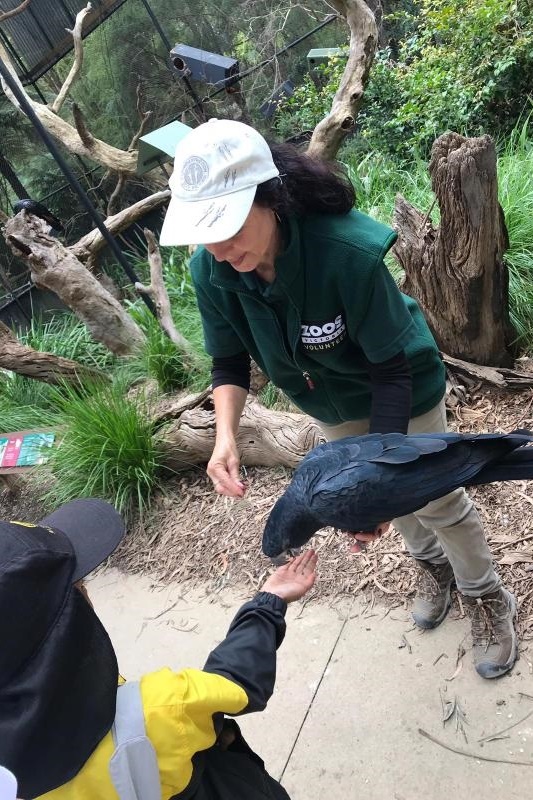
(133, 766)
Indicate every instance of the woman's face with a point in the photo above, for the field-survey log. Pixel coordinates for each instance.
(254, 245)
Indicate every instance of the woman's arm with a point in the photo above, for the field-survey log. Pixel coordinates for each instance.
(391, 389)
(223, 467)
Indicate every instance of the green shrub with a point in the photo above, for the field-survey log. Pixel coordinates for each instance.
(466, 67)
(463, 66)
(160, 359)
(515, 192)
(106, 449)
(30, 403)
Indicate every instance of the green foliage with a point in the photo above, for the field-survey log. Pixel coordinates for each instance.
(464, 66)
(64, 335)
(467, 67)
(515, 191)
(27, 402)
(24, 403)
(107, 448)
(160, 359)
(310, 101)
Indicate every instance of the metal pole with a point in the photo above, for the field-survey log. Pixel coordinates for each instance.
(11, 291)
(71, 178)
(168, 46)
(157, 25)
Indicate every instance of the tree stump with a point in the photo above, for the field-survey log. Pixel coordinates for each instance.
(456, 270)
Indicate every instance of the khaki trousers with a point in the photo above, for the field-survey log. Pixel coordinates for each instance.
(446, 529)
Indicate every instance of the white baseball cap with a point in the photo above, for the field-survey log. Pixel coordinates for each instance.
(217, 168)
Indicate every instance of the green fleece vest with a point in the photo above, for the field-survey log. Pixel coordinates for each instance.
(332, 305)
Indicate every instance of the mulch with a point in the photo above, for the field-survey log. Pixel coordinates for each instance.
(193, 536)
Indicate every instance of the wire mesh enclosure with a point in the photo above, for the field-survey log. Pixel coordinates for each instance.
(37, 37)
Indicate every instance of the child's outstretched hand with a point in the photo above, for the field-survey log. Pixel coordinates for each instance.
(293, 580)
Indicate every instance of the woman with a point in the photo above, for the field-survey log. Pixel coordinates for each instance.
(291, 275)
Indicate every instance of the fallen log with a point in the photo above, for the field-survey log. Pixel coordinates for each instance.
(501, 377)
(265, 438)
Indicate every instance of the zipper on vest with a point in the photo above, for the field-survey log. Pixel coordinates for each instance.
(309, 380)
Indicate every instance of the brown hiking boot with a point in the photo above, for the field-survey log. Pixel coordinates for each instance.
(433, 597)
(493, 634)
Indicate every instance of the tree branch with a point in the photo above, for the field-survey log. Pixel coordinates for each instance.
(158, 292)
(56, 267)
(105, 154)
(78, 59)
(94, 241)
(18, 357)
(7, 14)
(332, 130)
(501, 377)
(83, 132)
(113, 199)
(144, 116)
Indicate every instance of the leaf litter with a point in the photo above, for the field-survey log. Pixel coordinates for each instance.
(193, 536)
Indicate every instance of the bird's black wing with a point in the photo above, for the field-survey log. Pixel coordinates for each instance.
(358, 495)
(39, 210)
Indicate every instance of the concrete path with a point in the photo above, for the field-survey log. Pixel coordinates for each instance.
(355, 686)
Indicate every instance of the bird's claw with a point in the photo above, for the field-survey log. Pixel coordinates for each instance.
(285, 556)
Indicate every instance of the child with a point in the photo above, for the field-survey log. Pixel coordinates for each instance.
(65, 731)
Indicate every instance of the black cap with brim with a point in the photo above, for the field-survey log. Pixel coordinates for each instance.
(58, 669)
(94, 529)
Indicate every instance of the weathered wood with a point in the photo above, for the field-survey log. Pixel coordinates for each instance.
(78, 59)
(47, 367)
(157, 291)
(90, 244)
(330, 132)
(55, 267)
(265, 437)
(7, 14)
(456, 270)
(501, 377)
(103, 153)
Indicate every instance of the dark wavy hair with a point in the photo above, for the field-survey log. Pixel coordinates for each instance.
(307, 185)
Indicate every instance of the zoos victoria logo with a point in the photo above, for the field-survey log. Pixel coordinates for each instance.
(325, 335)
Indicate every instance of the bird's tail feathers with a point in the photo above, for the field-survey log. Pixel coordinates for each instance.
(516, 466)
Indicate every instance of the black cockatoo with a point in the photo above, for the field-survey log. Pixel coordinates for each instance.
(358, 482)
(36, 208)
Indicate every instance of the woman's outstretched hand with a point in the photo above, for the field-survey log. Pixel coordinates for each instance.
(293, 580)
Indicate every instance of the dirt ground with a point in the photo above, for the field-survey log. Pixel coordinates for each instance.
(191, 535)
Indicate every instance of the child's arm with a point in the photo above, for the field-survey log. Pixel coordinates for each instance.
(239, 674)
(247, 656)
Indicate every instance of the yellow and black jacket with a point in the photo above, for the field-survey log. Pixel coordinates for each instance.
(184, 718)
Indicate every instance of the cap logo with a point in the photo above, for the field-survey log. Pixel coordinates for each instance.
(194, 173)
(229, 178)
(212, 214)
